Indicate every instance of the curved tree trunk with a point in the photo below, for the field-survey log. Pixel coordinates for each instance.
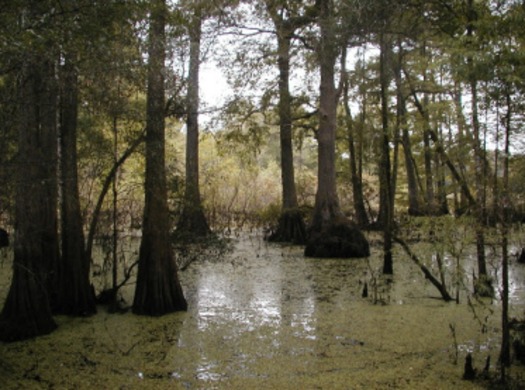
(158, 290)
(75, 295)
(27, 311)
(193, 220)
(105, 188)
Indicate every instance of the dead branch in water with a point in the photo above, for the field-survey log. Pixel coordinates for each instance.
(428, 275)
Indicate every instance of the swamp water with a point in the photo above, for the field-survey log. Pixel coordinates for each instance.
(265, 317)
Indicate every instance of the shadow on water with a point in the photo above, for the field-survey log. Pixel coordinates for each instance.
(266, 317)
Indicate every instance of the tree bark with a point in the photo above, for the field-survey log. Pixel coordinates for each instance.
(193, 220)
(27, 311)
(330, 234)
(478, 157)
(75, 295)
(429, 172)
(462, 203)
(505, 222)
(291, 227)
(385, 183)
(158, 290)
(414, 207)
(356, 179)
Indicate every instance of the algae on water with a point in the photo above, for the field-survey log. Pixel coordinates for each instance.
(265, 317)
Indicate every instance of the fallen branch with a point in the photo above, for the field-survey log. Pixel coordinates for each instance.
(428, 275)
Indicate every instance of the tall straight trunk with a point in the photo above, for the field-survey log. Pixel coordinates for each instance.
(385, 180)
(158, 290)
(462, 135)
(357, 184)
(193, 220)
(114, 208)
(331, 234)
(48, 116)
(285, 124)
(326, 200)
(412, 182)
(429, 177)
(505, 222)
(395, 160)
(75, 295)
(291, 226)
(478, 153)
(441, 196)
(27, 311)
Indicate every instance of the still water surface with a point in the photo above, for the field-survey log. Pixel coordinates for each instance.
(265, 317)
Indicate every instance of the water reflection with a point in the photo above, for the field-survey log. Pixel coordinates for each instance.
(261, 292)
(265, 311)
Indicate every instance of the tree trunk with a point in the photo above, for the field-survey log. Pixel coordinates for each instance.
(193, 220)
(158, 290)
(326, 200)
(429, 177)
(463, 202)
(330, 234)
(357, 184)
(27, 312)
(291, 227)
(460, 180)
(385, 181)
(442, 201)
(414, 207)
(505, 221)
(484, 286)
(428, 275)
(47, 118)
(105, 188)
(75, 295)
